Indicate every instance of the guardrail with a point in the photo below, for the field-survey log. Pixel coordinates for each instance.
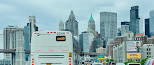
(12, 51)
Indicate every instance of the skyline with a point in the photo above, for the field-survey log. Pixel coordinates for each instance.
(48, 12)
(18, 13)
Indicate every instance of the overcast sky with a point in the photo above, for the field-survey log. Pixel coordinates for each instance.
(49, 12)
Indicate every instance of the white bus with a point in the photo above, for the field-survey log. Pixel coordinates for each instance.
(52, 48)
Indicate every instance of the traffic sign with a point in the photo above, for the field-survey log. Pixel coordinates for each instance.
(100, 57)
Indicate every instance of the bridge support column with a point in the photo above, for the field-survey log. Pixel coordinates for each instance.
(13, 59)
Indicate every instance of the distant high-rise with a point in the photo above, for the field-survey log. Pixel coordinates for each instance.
(85, 41)
(141, 25)
(91, 23)
(33, 26)
(119, 32)
(97, 42)
(91, 26)
(147, 27)
(124, 27)
(72, 25)
(11, 40)
(61, 26)
(134, 19)
(108, 25)
(28, 30)
(7, 40)
(152, 22)
(17, 42)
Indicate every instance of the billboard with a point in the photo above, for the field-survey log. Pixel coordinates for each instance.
(133, 46)
(152, 36)
(100, 57)
(133, 55)
(110, 44)
(140, 34)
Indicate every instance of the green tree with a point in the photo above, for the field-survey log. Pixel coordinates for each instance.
(142, 62)
(110, 60)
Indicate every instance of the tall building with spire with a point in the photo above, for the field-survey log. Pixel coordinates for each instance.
(61, 26)
(91, 23)
(72, 25)
(91, 26)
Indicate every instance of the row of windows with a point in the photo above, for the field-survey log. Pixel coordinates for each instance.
(148, 56)
(148, 49)
(150, 45)
(148, 53)
(139, 38)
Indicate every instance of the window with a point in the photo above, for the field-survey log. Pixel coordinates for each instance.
(60, 38)
(129, 35)
(149, 56)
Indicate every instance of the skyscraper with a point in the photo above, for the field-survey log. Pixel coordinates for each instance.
(147, 27)
(61, 26)
(28, 30)
(119, 32)
(152, 22)
(72, 25)
(134, 19)
(91, 23)
(17, 42)
(124, 27)
(7, 40)
(91, 26)
(85, 41)
(33, 26)
(97, 42)
(141, 25)
(108, 25)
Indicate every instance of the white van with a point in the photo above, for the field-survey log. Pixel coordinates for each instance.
(95, 63)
